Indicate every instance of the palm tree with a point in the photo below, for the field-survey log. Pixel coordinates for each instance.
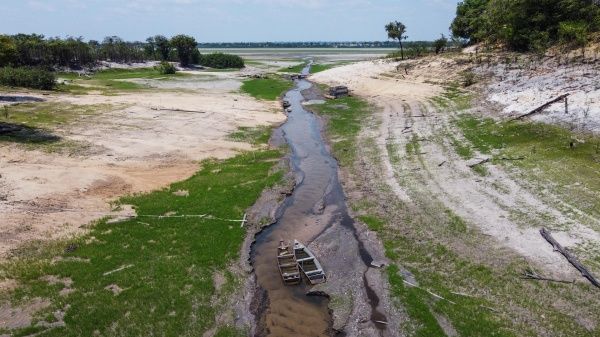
(396, 31)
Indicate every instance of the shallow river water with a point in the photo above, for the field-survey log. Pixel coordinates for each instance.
(317, 202)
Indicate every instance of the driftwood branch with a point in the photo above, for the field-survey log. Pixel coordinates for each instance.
(533, 275)
(513, 159)
(542, 107)
(487, 160)
(178, 110)
(570, 257)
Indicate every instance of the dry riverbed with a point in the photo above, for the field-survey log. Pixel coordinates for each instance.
(460, 235)
(126, 142)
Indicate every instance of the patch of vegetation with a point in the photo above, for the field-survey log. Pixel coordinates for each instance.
(317, 68)
(294, 69)
(34, 78)
(462, 149)
(166, 68)
(545, 153)
(221, 61)
(112, 80)
(413, 147)
(252, 135)
(425, 246)
(49, 114)
(150, 274)
(374, 223)
(345, 118)
(480, 170)
(267, 88)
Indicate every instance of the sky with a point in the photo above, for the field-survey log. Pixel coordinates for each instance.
(228, 20)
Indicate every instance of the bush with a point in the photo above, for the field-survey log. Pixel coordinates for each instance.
(34, 78)
(166, 68)
(468, 78)
(221, 61)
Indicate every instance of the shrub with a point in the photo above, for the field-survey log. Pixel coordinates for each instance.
(468, 78)
(573, 32)
(166, 68)
(34, 78)
(221, 61)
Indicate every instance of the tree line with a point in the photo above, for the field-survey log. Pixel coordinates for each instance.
(527, 25)
(33, 50)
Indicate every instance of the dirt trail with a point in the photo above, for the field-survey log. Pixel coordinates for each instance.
(410, 120)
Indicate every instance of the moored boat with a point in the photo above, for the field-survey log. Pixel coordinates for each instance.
(308, 263)
(288, 267)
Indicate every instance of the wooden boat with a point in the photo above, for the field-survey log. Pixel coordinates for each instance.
(308, 263)
(288, 267)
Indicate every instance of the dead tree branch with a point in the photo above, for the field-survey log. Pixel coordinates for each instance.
(487, 160)
(570, 257)
(542, 107)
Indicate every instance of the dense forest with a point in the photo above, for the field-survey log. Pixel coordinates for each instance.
(527, 25)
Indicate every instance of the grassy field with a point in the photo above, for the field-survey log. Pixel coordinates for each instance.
(150, 275)
(35, 122)
(110, 81)
(267, 88)
(345, 116)
(544, 154)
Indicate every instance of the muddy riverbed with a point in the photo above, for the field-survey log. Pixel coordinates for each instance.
(316, 214)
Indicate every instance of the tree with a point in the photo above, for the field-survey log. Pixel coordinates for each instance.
(150, 48)
(524, 25)
(440, 44)
(470, 22)
(396, 31)
(163, 47)
(8, 50)
(185, 46)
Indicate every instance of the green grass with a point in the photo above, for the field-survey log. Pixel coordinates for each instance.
(413, 147)
(252, 135)
(345, 117)
(547, 157)
(453, 97)
(165, 266)
(37, 121)
(373, 222)
(294, 69)
(317, 68)
(463, 149)
(48, 114)
(267, 88)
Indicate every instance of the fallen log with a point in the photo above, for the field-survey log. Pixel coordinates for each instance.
(570, 257)
(542, 107)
